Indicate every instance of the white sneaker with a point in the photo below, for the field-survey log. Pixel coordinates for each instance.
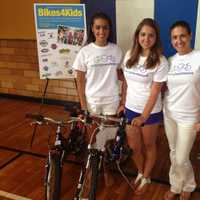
(142, 188)
(144, 181)
(138, 178)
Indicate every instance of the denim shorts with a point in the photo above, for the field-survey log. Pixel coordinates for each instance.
(154, 118)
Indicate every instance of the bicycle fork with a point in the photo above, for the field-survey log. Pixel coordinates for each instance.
(84, 170)
(47, 166)
(81, 180)
(51, 154)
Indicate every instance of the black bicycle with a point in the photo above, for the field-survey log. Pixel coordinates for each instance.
(73, 144)
(96, 156)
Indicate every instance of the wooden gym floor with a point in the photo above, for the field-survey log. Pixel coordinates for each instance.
(22, 167)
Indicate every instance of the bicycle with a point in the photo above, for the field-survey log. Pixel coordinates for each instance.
(96, 155)
(75, 144)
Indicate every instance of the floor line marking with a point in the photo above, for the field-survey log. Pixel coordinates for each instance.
(12, 196)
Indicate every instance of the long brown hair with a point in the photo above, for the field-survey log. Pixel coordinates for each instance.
(156, 50)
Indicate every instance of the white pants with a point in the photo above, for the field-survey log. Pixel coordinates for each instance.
(180, 137)
(107, 133)
(103, 109)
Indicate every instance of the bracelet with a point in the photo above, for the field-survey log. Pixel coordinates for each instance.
(143, 118)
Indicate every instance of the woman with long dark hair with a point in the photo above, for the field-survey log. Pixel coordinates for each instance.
(97, 67)
(145, 70)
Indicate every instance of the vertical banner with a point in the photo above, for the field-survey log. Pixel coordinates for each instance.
(60, 32)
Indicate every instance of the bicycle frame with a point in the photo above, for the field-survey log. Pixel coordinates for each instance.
(95, 157)
(56, 154)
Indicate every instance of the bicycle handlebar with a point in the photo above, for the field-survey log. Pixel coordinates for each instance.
(38, 118)
(108, 118)
(42, 119)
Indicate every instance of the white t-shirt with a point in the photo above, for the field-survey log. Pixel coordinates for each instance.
(100, 65)
(182, 100)
(139, 81)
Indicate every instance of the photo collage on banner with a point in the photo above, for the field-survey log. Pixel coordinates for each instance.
(60, 31)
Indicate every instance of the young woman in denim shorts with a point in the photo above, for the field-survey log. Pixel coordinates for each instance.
(145, 70)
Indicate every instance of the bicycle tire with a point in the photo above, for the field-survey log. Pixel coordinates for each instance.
(53, 184)
(95, 160)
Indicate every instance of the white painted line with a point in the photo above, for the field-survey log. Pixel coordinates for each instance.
(12, 196)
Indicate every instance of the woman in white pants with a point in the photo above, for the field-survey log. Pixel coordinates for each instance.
(181, 110)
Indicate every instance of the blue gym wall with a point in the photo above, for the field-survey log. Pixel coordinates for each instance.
(107, 6)
(126, 15)
(168, 11)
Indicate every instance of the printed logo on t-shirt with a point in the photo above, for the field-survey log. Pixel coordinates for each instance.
(103, 60)
(139, 70)
(181, 69)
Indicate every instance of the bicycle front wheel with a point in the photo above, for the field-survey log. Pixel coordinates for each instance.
(95, 162)
(53, 182)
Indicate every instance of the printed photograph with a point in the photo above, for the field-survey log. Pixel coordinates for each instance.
(70, 35)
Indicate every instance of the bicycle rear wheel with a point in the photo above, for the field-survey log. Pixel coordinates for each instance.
(53, 179)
